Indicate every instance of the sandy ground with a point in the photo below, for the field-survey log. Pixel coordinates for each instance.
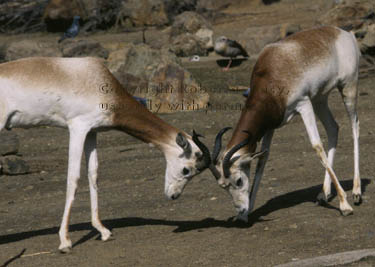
(194, 230)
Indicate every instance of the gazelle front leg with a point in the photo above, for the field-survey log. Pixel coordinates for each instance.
(77, 137)
(307, 113)
(266, 143)
(92, 173)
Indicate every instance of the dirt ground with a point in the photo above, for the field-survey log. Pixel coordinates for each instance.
(196, 229)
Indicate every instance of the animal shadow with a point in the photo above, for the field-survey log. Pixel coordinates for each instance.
(235, 62)
(284, 201)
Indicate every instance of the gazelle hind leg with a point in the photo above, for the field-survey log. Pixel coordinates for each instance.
(349, 95)
(308, 117)
(92, 173)
(332, 129)
(77, 137)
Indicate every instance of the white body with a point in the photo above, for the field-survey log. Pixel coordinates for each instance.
(71, 93)
(306, 66)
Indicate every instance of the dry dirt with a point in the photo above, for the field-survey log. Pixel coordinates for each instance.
(196, 229)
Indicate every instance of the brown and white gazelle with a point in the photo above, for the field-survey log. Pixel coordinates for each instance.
(293, 76)
(82, 95)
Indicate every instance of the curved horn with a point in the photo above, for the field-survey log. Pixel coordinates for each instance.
(228, 156)
(217, 147)
(204, 149)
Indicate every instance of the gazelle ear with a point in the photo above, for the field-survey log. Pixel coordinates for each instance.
(245, 159)
(258, 154)
(184, 144)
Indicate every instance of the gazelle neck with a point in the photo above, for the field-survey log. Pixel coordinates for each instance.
(133, 118)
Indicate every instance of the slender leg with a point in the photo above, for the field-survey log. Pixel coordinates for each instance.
(349, 95)
(266, 143)
(308, 117)
(228, 66)
(92, 173)
(324, 114)
(76, 143)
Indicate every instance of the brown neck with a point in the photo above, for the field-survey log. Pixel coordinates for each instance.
(133, 118)
(250, 121)
(260, 114)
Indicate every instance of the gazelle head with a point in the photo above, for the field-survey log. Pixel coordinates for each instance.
(187, 158)
(232, 172)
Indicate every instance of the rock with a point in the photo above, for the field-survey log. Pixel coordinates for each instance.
(189, 22)
(83, 48)
(191, 34)
(58, 15)
(175, 8)
(213, 4)
(144, 13)
(20, 16)
(348, 15)
(157, 75)
(31, 48)
(14, 165)
(367, 45)
(186, 45)
(9, 143)
(255, 38)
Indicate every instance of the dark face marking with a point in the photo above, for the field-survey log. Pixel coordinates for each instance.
(185, 145)
(185, 171)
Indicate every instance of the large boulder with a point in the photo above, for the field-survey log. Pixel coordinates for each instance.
(185, 45)
(255, 38)
(368, 43)
(191, 34)
(9, 143)
(158, 76)
(31, 48)
(83, 48)
(349, 15)
(58, 14)
(14, 165)
(143, 13)
(174, 7)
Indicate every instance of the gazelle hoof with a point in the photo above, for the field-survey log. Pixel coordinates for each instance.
(346, 212)
(65, 250)
(357, 198)
(106, 235)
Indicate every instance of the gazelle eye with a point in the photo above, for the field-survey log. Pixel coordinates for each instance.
(239, 182)
(185, 171)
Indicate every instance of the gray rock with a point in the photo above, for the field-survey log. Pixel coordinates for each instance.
(157, 76)
(14, 165)
(368, 42)
(143, 13)
(347, 15)
(31, 48)
(186, 45)
(191, 34)
(83, 48)
(190, 22)
(9, 143)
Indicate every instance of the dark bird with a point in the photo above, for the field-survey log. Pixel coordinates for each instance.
(229, 48)
(72, 31)
(141, 100)
(246, 94)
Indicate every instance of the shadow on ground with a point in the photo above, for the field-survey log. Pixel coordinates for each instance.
(277, 203)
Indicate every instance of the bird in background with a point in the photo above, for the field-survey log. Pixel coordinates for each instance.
(72, 31)
(141, 100)
(229, 48)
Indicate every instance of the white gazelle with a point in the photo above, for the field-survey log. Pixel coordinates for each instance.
(293, 76)
(82, 95)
